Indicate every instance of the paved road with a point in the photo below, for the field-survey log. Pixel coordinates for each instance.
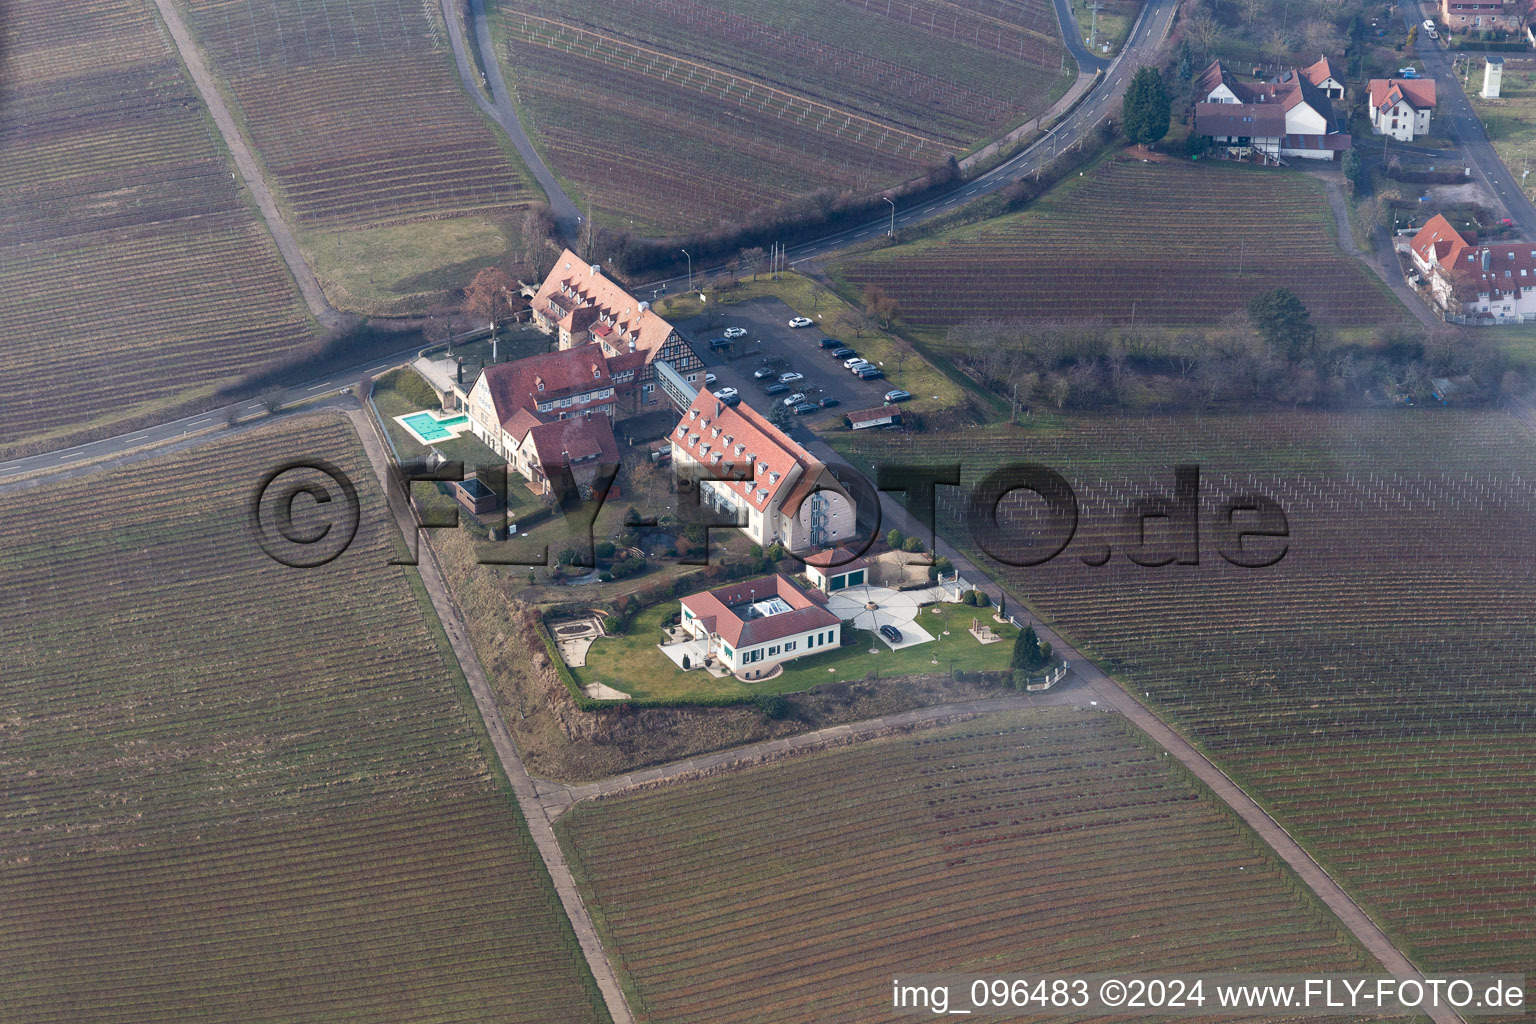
(558, 797)
(68, 462)
(506, 751)
(1072, 35)
(502, 110)
(1454, 111)
(287, 245)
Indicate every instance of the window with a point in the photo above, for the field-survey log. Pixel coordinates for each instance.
(789, 645)
(773, 650)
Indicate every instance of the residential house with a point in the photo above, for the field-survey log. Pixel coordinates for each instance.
(1493, 283)
(581, 306)
(755, 626)
(746, 467)
(1401, 107)
(1289, 116)
(550, 416)
(1481, 15)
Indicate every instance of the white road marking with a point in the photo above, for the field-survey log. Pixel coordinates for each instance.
(317, 387)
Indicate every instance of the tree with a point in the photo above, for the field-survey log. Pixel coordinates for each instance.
(881, 305)
(1282, 321)
(489, 296)
(1186, 61)
(1029, 653)
(893, 538)
(272, 398)
(781, 416)
(1204, 30)
(1145, 110)
(752, 260)
(1354, 168)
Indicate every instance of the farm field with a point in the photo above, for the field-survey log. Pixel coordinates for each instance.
(126, 251)
(1371, 689)
(1052, 840)
(356, 109)
(1116, 245)
(240, 792)
(673, 115)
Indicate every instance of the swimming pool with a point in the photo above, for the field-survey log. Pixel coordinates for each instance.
(427, 428)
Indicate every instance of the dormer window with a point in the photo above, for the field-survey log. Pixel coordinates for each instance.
(693, 414)
(741, 447)
(762, 467)
(596, 373)
(773, 477)
(541, 385)
(715, 432)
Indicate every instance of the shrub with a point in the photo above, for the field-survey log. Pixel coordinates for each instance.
(969, 597)
(772, 705)
(912, 544)
(409, 385)
(604, 549)
(894, 538)
(982, 600)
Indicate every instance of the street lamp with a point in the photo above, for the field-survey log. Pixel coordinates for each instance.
(888, 199)
(690, 268)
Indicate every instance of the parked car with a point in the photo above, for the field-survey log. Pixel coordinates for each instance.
(790, 377)
(727, 393)
(709, 378)
(801, 321)
(1407, 73)
(828, 402)
(795, 399)
(775, 389)
(717, 344)
(735, 332)
(763, 373)
(831, 343)
(870, 373)
(860, 366)
(843, 353)
(804, 407)
(896, 395)
(891, 633)
(853, 361)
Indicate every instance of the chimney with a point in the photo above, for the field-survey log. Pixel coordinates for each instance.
(644, 306)
(596, 269)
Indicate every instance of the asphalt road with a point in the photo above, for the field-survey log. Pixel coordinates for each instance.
(1073, 39)
(1454, 111)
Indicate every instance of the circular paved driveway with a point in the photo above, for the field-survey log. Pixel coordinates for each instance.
(892, 608)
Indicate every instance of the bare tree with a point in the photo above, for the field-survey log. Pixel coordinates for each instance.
(752, 260)
(490, 296)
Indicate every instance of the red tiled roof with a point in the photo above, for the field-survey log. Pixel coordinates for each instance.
(875, 415)
(1492, 269)
(710, 428)
(589, 300)
(1438, 238)
(1320, 72)
(1240, 120)
(714, 610)
(574, 441)
(515, 385)
(1418, 93)
(839, 558)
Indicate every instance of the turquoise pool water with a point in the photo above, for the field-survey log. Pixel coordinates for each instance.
(430, 429)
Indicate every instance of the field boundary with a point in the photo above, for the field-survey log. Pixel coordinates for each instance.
(287, 245)
(501, 739)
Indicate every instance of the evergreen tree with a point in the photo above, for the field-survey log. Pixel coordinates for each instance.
(1146, 108)
(1029, 654)
(1283, 321)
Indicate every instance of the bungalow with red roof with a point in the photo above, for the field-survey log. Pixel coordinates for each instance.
(1288, 116)
(747, 467)
(582, 306)
(1401, 107)
(754, 626)
(551, 415)
(1494, 283)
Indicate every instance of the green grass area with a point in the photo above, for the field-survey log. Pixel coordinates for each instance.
(1370, 688)
(402, 269)
(633, 663)
(239, 791)
(905, 366)
(1112, 25)
(1510, 120)
(1060, 839)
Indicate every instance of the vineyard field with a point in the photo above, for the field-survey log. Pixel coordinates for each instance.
(241, 792)
(1117, 245)
(1372, 689)
(1052, 840)
(673, 114)
(127, 252)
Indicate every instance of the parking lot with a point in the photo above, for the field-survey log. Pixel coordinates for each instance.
(771, 341)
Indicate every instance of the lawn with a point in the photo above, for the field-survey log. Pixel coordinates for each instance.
(634, 664)
(905, 366)
(1113, 23)
(241, 792)
(1371, 688)
(1509, 120)
(1058, 840)
(691, 112)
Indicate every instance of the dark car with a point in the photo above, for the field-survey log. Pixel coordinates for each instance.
(805, 407)
(843, 353)
(775, 388)
(828, 402)
(764, 372)
(719, 343)
(831, 343)
(891, 633)
(871, 373)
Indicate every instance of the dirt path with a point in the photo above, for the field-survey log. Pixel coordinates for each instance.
(501, 739)
(287, 245)
(1383, 262)
(502, 110)
(558, 797)
(1115, 696)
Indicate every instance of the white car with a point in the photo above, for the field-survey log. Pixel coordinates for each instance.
(709, 378)
(735, 332)
(794, 399)
(790, 378)
(861, 366)
(852, 361)
(801, 321)
(727, 393)
(1429, 24)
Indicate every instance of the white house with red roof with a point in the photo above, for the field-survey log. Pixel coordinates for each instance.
(1482, 15)
(1289, 116)
(1401, 107)
(754, 626)
(1493, 283)
(582, 306)
(746, 467)
(552, 414)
